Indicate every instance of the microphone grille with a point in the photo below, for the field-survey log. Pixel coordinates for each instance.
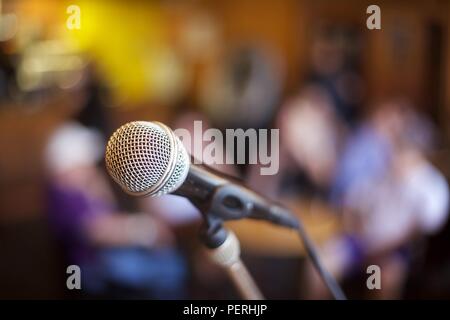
(179, 173)
(146, 158)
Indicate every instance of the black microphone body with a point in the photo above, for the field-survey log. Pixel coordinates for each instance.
(216, 195)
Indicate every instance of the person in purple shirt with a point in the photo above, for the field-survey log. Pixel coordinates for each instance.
(368, 150)
(121, 255)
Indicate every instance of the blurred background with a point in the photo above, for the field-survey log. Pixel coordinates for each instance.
(364, 143)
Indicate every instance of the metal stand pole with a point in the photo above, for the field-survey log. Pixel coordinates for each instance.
(227, 255)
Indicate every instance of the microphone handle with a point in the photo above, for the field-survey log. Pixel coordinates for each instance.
(215, 195)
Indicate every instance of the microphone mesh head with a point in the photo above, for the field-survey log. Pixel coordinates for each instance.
(146, 158)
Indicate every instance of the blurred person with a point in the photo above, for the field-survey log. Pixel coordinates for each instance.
(120, 254)
(310, 135)
(335, 67)
(243, 89)
(310, 140)
(385, 213)
(368, 149)
(124, 253)
(8, 82)
(97, 98)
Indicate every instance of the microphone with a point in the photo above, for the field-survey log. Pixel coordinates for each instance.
(148, 159)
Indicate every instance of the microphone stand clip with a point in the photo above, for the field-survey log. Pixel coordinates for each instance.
(223, 245)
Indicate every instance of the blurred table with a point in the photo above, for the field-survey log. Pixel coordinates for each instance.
(265, 239)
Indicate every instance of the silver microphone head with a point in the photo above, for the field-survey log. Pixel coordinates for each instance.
(146, 158)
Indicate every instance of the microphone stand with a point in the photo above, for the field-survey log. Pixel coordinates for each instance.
(224, 249)
(219, 200)
(209, 192)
